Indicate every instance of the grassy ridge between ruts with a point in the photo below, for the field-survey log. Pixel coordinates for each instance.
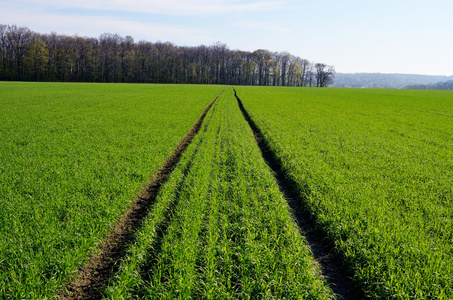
(219, 228)
(72, 159)
(376, 167)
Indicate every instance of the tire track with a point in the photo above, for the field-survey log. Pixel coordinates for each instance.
(146, 271)
(94, 275)
(330, 262)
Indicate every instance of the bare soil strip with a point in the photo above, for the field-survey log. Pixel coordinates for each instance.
(331, 263)
(94, 275)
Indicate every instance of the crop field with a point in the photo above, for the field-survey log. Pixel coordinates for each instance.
(373, 170)
(376, 171)
(72, 159)
(226, 231)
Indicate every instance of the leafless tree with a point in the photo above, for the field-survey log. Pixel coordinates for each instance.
(112, 58)
(18, 39)
(324, 75)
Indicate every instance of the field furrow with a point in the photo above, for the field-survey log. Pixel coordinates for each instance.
(375, 169)
(121, 191)
(100, 267)
(73, 158)
(330, 264)
(227, 231)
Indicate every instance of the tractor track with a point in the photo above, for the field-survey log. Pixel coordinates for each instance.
(330, 262)
(94, 276)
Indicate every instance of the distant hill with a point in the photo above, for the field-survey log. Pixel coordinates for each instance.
(443, 85)
(380, 80)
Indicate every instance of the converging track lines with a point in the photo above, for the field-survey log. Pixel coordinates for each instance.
(220, 227)
(97, 202)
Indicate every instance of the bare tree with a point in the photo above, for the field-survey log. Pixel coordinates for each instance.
(304, 69)
(283, 59)
(4, 55)
(112, 58)
(36, 59)
(262, 59)
(19, 39)
(109, 46)
(324, 75)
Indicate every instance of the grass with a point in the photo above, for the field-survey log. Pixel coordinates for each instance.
(376, 168)
(72, 159)
(220, 228)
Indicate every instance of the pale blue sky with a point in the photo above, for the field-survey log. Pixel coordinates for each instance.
(386, 36)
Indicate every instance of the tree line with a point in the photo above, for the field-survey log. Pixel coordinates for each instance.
(443, 85)
(31, 56)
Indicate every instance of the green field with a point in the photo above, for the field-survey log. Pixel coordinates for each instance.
(228, 232)
(72, 159)
(374, 168)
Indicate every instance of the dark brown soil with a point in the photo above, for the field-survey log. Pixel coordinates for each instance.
(330, 263)
(94, 275)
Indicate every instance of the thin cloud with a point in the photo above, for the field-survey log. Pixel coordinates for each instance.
(264, 26)
(165, 7)
(93, 26)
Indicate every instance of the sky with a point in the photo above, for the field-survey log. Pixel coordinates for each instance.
(373, 36)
